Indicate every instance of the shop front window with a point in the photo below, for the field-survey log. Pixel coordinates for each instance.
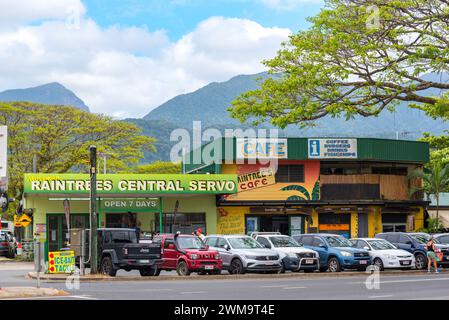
(121, 220)
(185, 223)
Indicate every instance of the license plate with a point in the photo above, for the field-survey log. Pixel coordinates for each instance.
(309, 261)
(209, 267)
(363, 262)
(406, 262)
(144, 261)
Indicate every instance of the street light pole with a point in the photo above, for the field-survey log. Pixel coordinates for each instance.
(93, 210)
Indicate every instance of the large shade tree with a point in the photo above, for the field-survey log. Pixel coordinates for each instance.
(358, 58)
(58, 137)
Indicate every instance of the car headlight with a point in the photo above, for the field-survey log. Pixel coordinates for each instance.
(194, 256)
(217, 257)
(251, 257)
(346, 254)
(391, 257)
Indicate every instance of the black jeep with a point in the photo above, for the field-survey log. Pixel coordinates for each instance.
(120, 249)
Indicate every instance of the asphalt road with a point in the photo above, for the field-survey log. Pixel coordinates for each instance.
(340, 286)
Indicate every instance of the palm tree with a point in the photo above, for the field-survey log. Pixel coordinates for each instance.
(435, 181)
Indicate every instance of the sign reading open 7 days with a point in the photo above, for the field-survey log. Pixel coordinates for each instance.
(132, 183)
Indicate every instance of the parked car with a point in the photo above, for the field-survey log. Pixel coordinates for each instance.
(119, 248)
(415, 243)
(188, 253)
(442, 238)
(243, 254)
(336, 253)
(294, 256)
(384, 254)
(8, 245)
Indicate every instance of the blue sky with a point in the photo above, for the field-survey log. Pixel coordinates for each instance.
(126, 57)
(180, 17)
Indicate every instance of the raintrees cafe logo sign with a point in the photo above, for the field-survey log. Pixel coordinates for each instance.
(132, 184)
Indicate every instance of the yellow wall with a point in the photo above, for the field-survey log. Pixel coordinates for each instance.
(354, 225)
(231, 220)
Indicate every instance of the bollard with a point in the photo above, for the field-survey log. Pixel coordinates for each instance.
(19, 248)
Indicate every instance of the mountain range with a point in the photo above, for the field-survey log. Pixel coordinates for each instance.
(51, 93)
(209, 104)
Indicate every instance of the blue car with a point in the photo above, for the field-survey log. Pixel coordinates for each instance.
(336, 252)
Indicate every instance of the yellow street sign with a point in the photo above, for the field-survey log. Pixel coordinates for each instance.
(24, 220)
(17, 224)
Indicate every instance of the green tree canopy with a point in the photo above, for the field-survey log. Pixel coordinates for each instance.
(359, 57)
(160, 167)
(59, 136)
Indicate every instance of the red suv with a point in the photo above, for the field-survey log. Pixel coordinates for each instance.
(187, 254)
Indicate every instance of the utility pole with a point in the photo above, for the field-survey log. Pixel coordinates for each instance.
(93, 210)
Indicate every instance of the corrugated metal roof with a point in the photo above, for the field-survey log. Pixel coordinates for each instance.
(368, 149)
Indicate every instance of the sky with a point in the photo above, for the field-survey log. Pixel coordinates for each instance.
(126, 57)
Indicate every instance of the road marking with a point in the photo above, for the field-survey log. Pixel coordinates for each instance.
(378, 297)
(406, 280)
(292, 288)
(193, 292)
(157, 290)
(276, 286)
(83, 297)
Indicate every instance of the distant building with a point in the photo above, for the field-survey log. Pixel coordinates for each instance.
(443, 208)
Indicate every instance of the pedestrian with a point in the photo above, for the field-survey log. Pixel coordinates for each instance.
(199, 233)
(430, 246)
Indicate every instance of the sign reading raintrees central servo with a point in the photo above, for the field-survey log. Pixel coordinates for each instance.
(332, 148)
(61, 262)
(131, 205)
(132, 184)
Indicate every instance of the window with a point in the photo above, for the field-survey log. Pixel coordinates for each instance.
(317, 242)
(393, 237)
(186, 223)
(361, 244)
(399, 171)
(211, 241)
(221, 243)
(264, 242)
(444, 239)
(306, 240)
(124, 237)
(290, 173)
(168, 242)
(404, 239)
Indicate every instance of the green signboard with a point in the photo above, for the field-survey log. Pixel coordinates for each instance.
(122, 184)
(130, 205)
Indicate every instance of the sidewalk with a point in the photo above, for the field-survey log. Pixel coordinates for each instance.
(29, 292)
(224, 276)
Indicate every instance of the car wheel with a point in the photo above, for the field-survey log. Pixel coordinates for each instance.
(182, 269)
(283, 268)
(236, 267)
(379, 264)
(420, 261)
(333, 265)
(107, 267)
(323, 269)
(149, 272)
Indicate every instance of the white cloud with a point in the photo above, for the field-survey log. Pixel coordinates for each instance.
(125, 72)
(14, 12)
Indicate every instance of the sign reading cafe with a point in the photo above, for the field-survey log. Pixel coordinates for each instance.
(332, 148)
(262, 148)
(131, 183)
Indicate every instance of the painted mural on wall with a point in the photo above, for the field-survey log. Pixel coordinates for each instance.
(230, 221)
(257, 182)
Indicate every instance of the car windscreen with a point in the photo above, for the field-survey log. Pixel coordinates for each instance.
(190, 243)
(381, 245)
(284, 242)
(335, 241)
(421, 238)
(244, 243)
